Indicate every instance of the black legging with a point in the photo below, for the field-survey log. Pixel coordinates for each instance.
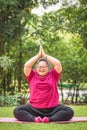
(58, 113)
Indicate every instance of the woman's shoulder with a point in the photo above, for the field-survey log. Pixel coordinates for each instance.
(54, 72)
(32, 73)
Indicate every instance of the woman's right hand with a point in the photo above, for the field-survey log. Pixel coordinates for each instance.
(43, 53)
(40, 51)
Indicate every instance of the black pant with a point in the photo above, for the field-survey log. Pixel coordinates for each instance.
(58, 113)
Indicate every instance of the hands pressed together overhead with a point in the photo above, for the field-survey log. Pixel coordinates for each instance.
(41, 52)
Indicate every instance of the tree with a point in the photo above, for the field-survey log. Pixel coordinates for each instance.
(60, 33)
(5, 64)
(14, 15)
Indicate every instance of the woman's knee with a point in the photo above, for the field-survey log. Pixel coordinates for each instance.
(68, 110)
(70, 113)
(16, 111)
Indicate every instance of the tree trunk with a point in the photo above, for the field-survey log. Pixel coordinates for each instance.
(4, 84)
(2, 73)
(77, 94)
(61, 88)
(68, 95)
(1, 70)
(20, 67)
(73, 94)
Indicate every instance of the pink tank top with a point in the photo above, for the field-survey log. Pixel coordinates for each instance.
(44, 90)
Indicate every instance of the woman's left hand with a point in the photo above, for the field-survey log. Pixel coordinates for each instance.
(42, 52)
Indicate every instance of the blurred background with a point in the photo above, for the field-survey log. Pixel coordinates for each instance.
(61, 27)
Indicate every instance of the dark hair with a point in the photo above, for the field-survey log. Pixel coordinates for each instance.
(43, 59)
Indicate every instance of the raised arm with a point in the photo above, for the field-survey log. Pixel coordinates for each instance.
(55, 62)
(29, 64)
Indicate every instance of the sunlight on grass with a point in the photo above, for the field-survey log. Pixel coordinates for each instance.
(6, 111)
(80, 110)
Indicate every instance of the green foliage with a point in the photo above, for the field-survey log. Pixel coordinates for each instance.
(62, 34)
(83, 99)
(47, 3)
(14, 100)
(72, 60)
(8, 100)
(23, 98)
(6, 62)
(13, 15)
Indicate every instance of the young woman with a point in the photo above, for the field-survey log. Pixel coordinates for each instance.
(44, 103)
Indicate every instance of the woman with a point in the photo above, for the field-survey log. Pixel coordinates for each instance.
(44, 98)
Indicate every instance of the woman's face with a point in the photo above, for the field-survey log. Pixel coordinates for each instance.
(42, 68)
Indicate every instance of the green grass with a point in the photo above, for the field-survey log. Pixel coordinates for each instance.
(41, 126)
(8, 112)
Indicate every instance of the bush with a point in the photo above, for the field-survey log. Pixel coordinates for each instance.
(23, 98)
(83, 99)
(14, 100)
(8, 100)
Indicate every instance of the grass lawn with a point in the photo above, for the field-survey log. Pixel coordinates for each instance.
(8, 112)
